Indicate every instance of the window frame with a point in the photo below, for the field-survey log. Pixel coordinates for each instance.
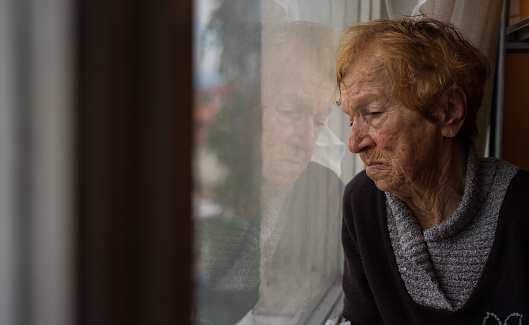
(133, 161)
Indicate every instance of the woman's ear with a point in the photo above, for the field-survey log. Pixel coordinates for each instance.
(454, 106)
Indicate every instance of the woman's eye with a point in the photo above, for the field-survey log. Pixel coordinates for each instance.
(319, 123)
(285, 112)
(288, 114)
(373, 115)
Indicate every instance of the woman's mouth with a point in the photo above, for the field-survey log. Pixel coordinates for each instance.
(287, 163)
(374, 166)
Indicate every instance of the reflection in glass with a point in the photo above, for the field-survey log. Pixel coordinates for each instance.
(268, 218)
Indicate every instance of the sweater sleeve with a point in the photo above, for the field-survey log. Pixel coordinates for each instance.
(359, 303)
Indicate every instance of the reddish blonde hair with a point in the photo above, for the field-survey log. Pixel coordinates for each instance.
(423, 57)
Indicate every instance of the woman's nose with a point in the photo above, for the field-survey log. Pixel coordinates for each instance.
(305, 134)
(359, 140)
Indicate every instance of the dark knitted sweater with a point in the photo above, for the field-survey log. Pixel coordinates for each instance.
(375, 292)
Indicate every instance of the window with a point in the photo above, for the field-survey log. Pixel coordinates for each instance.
(270, 158)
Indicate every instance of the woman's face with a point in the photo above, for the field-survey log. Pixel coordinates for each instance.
(397, 145)
(296, 106)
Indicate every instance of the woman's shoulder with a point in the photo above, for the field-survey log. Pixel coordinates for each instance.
(515, 204)
(519, 184)
(523, 175)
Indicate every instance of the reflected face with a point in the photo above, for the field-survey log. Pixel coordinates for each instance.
(397, 145)
(296, 102)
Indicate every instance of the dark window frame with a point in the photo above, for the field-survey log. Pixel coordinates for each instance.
(133, 158)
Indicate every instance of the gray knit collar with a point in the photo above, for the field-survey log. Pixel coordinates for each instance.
(412, 237)
(421, 256)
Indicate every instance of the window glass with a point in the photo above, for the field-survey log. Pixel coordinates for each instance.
(270, 161)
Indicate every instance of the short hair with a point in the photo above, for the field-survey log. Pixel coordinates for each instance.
(424, 57)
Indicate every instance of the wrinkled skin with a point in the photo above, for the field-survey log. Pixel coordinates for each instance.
(405, 154)
(295, 106)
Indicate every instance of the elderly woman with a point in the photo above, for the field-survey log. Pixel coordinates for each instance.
(432, 233)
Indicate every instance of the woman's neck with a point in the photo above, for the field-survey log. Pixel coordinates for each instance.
(431, 204)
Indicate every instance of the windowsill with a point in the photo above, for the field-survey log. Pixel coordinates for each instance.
(328, 308)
